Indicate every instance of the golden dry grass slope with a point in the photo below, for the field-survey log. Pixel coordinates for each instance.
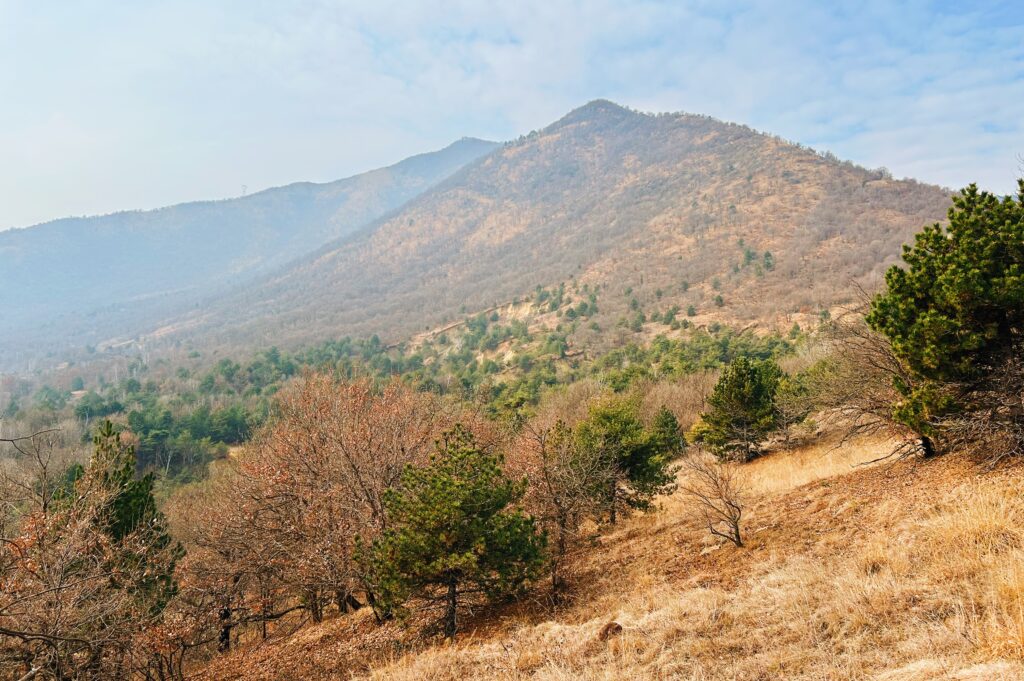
(678, 208)
(905, 571)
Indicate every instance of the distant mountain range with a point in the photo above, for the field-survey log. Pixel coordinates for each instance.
(655, 210)
(67, 269)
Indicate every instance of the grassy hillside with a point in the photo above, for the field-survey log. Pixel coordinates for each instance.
(898, 571)
(56, 274)
(671, 209)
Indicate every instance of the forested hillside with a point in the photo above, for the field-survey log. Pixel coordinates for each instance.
(721, 383)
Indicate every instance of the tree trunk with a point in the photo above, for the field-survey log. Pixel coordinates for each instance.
(556, 560)
(264, 610)
(224, 638)
(554, 579)
(612, 494)
(379, 614)
(450, 621)
(314, 605)
(346, 602)
(736, 538)
(928, 447)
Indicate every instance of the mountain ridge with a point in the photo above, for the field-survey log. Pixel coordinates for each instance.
(59, 272)
(603, 195)
(408, 161)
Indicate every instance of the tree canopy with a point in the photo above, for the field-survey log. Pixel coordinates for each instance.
(955, 313)
(638, 457)
(454, 532)
(741, 410)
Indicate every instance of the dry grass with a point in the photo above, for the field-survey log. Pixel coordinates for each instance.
(802, 465)
(936, 593)
(905, 571)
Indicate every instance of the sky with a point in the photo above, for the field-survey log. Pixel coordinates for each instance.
(111, 105)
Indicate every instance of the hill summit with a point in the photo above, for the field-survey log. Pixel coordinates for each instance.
(665, 209)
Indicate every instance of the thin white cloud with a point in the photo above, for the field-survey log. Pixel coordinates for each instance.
(123, 105)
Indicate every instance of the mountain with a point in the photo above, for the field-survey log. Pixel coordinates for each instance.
(654, 210)
(62, 268)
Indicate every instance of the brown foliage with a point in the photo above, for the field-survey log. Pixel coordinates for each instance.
(69, 604)
(563, 477)
(276, 530)
(683, 396)
(855, 388)
(563, 480)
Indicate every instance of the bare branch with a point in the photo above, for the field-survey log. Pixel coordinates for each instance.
(715, 490)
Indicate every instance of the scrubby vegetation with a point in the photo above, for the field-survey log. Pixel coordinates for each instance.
(183, 417)
(491, 475)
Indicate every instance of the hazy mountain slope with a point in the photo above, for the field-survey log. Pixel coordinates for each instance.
(74, 265)
(614, 198)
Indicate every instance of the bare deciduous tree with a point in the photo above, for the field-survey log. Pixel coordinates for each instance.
(854, 389)
(275, 530)
(993, 428)
(76, 597)
(715, 490)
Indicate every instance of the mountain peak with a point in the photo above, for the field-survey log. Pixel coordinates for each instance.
(609, 198)
(596, 110)
(599, 106)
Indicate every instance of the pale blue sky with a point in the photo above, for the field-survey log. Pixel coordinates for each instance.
(110, 105)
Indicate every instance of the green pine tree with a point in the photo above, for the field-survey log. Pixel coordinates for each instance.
(639, 458)
(666, 433)
(453, 532)
(131, 512)
(741, 409)
(955, 313)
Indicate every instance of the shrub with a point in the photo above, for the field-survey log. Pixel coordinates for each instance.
(715, 491)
